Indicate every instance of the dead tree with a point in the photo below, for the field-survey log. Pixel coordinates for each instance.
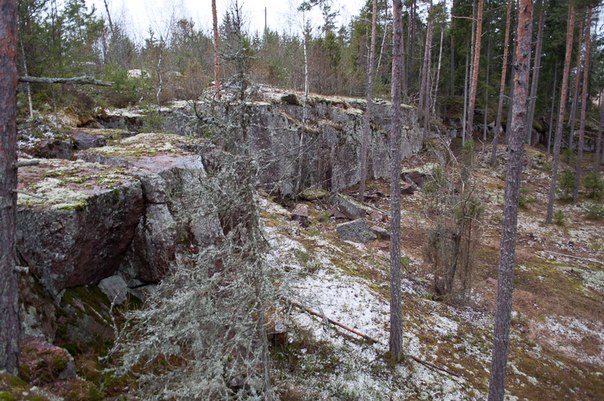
(424, 90)
(504, 68)
(367, 117)
(510, 213)
(581, 143)
(560, 121)
(9, 288)
(216, 56)
(396, 318)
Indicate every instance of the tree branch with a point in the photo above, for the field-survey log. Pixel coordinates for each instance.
(83, 80)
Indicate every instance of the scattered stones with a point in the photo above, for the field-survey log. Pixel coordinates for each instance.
(380, 232)
(300, 214)
(355, 231)
(115, 288)
(348, 206)
(312, 194)
(407, 188)
(290, 99)
(83, 141)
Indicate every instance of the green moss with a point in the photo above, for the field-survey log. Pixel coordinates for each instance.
(6, 396)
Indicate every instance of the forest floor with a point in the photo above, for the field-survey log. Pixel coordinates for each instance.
(557, 331)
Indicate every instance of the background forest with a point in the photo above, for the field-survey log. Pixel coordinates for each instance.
(68, 39)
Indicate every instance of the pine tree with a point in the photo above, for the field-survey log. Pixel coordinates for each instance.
(396, 319)
(367, 117)
(560, 121)
(9, 288)
(507, 257)
(578, 170)
(502, 83)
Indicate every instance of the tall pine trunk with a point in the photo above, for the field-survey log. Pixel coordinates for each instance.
(367, 117)
(574, 105)
(560, 121)
(552, 108)
(578, 169)
(510, 213)
(396, 318)
(504, 69)
(536, 69)
(475, 69)
(216, 56)
(9, 288)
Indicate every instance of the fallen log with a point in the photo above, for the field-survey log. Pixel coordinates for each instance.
(83, 80)
(575, 257)
(368, 338)
(334, 322)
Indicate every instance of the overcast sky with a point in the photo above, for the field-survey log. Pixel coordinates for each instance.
(139, 15)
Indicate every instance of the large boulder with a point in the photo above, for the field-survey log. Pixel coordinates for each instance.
(355, 231)
(175, 212)
(75, 221)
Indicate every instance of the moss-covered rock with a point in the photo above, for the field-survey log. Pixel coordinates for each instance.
(43, 363)
(75, 220)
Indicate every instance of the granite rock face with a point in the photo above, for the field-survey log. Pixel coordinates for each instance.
(75, 221)
(127, 206)
(324, 154)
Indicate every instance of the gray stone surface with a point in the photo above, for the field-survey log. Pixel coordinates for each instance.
(330, 143)
(115, 288)
(355, 231)
(349, 207)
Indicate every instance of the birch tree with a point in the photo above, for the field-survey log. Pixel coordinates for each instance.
(560, 121)
(216, 56)
(9, 288)
(507, 254)
(367, 117)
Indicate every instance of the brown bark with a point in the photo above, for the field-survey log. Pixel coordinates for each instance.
(510, 213)
(396, 319)
(573, 107)
(9, 289)
(475, 68)
(504, 69)
(216, 57)
(552, 108)
(560, 120)
(367, 117)
(536, 69)
(578, 170)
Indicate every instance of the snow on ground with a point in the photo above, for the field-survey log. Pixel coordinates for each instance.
(361, 373)
(570, 335)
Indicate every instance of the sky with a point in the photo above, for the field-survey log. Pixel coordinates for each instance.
(139, 15)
